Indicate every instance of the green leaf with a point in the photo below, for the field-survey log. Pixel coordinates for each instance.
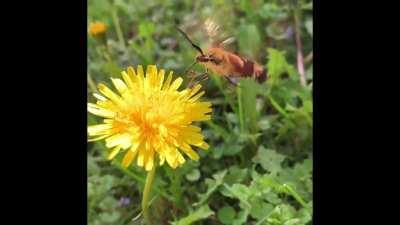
(271, 11)
(109, 217)
(199, 214)
(277, 64)
(232, 149)
(292, 71)
(241, 218)
(303, 170)
(108, 203)
(217, 151)
(287, 212)
(309, 72)
(264, 124)
(146, 29)
(290, 107)
(226, 214)
(231, 117)
(277, 31)
(281, 214)
(238, 191)
(92, 167)
(266, 187)
(269, 159)
(218, 130)
(105, 183)
(247, 91)
(273, 198)
(297, 181)
(249, 40)
(247, 6)
(260, 209)
(304, 215)
(91, 190)
(308, 106)
(290, 190)
(212, 184)
(307, 6)
(244, 5)
(236, 175)
(111, 69)
(193, 175)
(99, 11)
(309, 26)
(294, 221)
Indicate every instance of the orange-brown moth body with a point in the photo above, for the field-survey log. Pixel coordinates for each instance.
(230, 65)
(223, 62)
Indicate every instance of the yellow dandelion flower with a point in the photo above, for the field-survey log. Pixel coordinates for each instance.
(97, 28)
(150, 117)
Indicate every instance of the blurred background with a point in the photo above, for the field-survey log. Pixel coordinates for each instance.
(258, 169)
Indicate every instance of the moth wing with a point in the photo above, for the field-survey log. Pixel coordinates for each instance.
(211, 29)
(215, 34)
(228, 41)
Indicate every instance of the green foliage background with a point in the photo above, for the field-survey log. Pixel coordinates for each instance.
(258, 169)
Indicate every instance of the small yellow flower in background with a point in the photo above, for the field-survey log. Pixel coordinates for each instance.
(150, 117)
(97, 28)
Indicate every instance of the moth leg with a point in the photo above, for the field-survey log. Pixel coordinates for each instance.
(192, 75)
(231, 80)
(203, 77)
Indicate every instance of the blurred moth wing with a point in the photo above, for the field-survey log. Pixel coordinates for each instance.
(214, 34)
(211, 29)
(227, 42)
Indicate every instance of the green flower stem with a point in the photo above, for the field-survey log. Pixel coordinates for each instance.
(299, 46)
(117, 26)
(142, 181)
(105, 53)
(308, 59)
(278, 107)
(146, 193)
(240, 105)
(289, 190)
(91, 83)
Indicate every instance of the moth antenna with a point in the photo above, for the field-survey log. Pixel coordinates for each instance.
(191, 42)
